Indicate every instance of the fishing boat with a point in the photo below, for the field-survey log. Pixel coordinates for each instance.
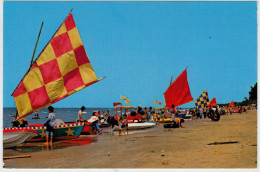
(16, 136)
(61, 69)
(178, 93)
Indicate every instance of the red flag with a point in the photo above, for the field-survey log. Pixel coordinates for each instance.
(178, 92)
(231, 104)
(213, 102)
(117, 103)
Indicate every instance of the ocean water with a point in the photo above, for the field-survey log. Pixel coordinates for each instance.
(65, 114)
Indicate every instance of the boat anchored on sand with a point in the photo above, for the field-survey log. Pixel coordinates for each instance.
(15, 136)
(61, 69)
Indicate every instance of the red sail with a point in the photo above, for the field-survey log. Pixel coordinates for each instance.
(231, 104)
(178, 92)
(213, 102)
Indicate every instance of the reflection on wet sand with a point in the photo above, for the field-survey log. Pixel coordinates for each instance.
(41, 146)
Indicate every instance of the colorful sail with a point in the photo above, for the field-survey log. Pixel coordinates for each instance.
(61, 69)
(178, 92)
(202, 100)
(213, 102)
(231, 104)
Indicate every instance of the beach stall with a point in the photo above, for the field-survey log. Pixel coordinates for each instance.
(129, 111)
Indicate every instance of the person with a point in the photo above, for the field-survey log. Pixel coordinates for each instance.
(19, 122)
(140, 110)
(94, 122)
(145, 116)
(50, 124)
(80, 113)
(174, 116)
(205, 111)
(197, 112)
(230, 110)
(107, 116)
(122, 124)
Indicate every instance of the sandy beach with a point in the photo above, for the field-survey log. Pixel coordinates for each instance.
(196, 145)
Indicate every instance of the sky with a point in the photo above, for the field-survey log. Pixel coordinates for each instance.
(139, 46)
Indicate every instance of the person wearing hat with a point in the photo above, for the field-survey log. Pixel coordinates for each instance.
(80, 118)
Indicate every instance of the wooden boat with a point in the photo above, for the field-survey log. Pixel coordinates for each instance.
(15, 136)
(61, 132)
(61, 69)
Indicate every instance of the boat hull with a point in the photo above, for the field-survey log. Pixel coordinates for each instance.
(61, 132)
(139, 126)
(15, 136)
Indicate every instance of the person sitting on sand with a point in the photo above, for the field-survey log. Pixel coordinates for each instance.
(50, 124)
(80, 117)
(174, 116)
(94, 122)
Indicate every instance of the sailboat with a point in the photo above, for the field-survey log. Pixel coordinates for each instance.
(61, 69)
(178, 93)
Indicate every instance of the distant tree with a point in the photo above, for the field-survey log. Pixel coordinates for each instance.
(253, 93)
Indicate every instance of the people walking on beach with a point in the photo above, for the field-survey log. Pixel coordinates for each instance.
(80, 113)
(50, 125)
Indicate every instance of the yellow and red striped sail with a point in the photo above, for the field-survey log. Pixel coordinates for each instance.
(60, 70)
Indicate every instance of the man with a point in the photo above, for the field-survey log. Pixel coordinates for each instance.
(80, 117)
(50, 124)
(197, 112)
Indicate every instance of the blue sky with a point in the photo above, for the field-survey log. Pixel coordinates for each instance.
(138, 46)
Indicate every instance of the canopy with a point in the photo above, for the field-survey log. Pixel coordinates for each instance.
(178, 92)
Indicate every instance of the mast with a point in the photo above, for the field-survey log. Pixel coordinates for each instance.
(35, 46)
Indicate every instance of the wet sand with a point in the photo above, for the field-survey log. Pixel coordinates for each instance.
(197, 145)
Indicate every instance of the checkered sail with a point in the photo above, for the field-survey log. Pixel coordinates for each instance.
(61, 69)
(202, 100)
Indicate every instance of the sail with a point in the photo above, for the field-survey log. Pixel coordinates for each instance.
(231, 104)
(213, 102)
(178, 92)
(61, 69)
(202, 100)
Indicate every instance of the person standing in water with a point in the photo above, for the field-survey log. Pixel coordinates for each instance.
(50, 124)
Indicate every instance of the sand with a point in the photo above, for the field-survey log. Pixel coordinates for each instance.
(188, 147)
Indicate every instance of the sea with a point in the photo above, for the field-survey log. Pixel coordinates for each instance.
(65, 114)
